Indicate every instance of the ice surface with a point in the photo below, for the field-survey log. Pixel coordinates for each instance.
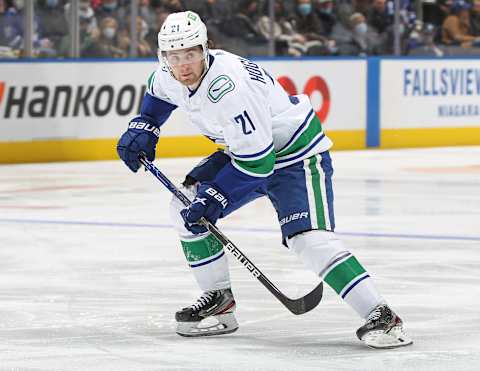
(91, 272)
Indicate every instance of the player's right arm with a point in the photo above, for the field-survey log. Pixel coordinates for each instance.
(143, 130)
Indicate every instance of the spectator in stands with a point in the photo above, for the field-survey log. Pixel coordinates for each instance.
(88, 27)
(89, 31)
(379, 17)
(11, 29)
(456, 28)
(325, 12)
(111, 9)
(307, 21)
(5, 50)
(109, 44)
(357, 38)
(143, 49)
(436, 12)
(242, 24)
(345, 9)
(3, 18)
(52, 27)
(288, 41)
(475, 18)
(311, 27)
(145, 10)
(11, 32)
(421, 41)
(152, 36)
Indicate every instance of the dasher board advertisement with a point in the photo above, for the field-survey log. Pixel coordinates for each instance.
(432, 93)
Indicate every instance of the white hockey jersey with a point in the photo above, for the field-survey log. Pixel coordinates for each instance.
(240, 105)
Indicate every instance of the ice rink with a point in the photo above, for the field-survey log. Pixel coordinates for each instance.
(91, 273)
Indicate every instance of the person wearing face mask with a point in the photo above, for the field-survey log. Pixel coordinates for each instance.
(360, 30)
(355, 38)
(108, 44)
(53, 26)
(311, 27)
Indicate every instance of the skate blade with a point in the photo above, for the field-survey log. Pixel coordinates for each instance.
(216, 325)
(395, 338)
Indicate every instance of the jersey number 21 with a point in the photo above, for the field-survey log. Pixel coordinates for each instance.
(246, 122)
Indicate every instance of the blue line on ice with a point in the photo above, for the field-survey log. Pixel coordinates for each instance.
(238, 229)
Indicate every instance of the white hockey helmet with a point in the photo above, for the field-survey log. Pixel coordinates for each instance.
(180, 31)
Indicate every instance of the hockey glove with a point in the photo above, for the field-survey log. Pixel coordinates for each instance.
(142, 136)
(209, 203)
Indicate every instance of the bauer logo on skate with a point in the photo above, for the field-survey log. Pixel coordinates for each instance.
(293, 217)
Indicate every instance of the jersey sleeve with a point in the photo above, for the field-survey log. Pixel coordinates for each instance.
(247, 129)
(156, 104)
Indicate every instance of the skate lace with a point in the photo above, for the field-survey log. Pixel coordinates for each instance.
(375, 315)
(203, 300)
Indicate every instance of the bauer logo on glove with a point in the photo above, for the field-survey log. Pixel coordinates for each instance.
(141, 137)
(217, 196)
(209, 203)
(144, 126)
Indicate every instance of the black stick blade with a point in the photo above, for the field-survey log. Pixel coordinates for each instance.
(306, 303)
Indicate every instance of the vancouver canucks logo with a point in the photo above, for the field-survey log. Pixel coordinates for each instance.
(191, 16)
(220, 86)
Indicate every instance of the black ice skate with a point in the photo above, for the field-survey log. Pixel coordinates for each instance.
(212, 314)
(383, 329)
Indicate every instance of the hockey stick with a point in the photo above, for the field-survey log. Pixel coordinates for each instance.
(296, 306)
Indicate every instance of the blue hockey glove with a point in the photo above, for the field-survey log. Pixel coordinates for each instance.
(208, 203)
(142, 136)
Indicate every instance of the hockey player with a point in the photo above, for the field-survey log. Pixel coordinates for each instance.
(275, 147)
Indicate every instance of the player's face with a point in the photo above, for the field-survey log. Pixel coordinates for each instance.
(187, 64)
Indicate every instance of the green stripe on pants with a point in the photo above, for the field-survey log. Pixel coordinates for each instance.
(344, 273)
(317, 192)
(201, 249)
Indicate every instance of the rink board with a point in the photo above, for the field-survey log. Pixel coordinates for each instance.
(54, 111)
(429, 102)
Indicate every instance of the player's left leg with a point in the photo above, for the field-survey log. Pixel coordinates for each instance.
(303, 197)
